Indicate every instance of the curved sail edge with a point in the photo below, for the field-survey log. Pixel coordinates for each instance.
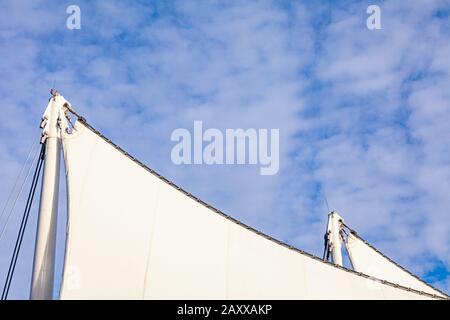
(134, 235)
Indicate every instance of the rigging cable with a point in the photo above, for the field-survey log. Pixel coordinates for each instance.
(23, 224)
(22, 184)
(18, 177)
(8, 216)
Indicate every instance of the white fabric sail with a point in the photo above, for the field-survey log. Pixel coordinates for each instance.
(368, 260)
(134, 235)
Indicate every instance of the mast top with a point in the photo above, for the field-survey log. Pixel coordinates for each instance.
(54, 92)
(54, 117)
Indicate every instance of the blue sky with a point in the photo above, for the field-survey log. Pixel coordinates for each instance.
(363, 114)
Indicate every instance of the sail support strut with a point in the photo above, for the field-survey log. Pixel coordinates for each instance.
(44, 255)
(333, 237)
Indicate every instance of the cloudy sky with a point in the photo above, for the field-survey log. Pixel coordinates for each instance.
(363, 114)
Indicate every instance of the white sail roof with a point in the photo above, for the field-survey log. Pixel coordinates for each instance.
(134, 235)
(368, 260)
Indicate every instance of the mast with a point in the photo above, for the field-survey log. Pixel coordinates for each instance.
(334, 236)
(44, 255)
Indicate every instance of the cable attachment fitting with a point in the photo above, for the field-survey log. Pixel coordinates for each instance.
(54, 118)
(54, 92)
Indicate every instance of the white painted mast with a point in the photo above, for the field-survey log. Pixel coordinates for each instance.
(44, 255)
(334, 236)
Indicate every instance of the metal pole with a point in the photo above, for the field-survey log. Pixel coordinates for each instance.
(44, 255)
(334, 229)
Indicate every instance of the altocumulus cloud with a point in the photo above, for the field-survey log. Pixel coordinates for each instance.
(362, 113)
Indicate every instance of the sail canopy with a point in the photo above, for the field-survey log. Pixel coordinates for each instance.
(368, 260)
(134, 235)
